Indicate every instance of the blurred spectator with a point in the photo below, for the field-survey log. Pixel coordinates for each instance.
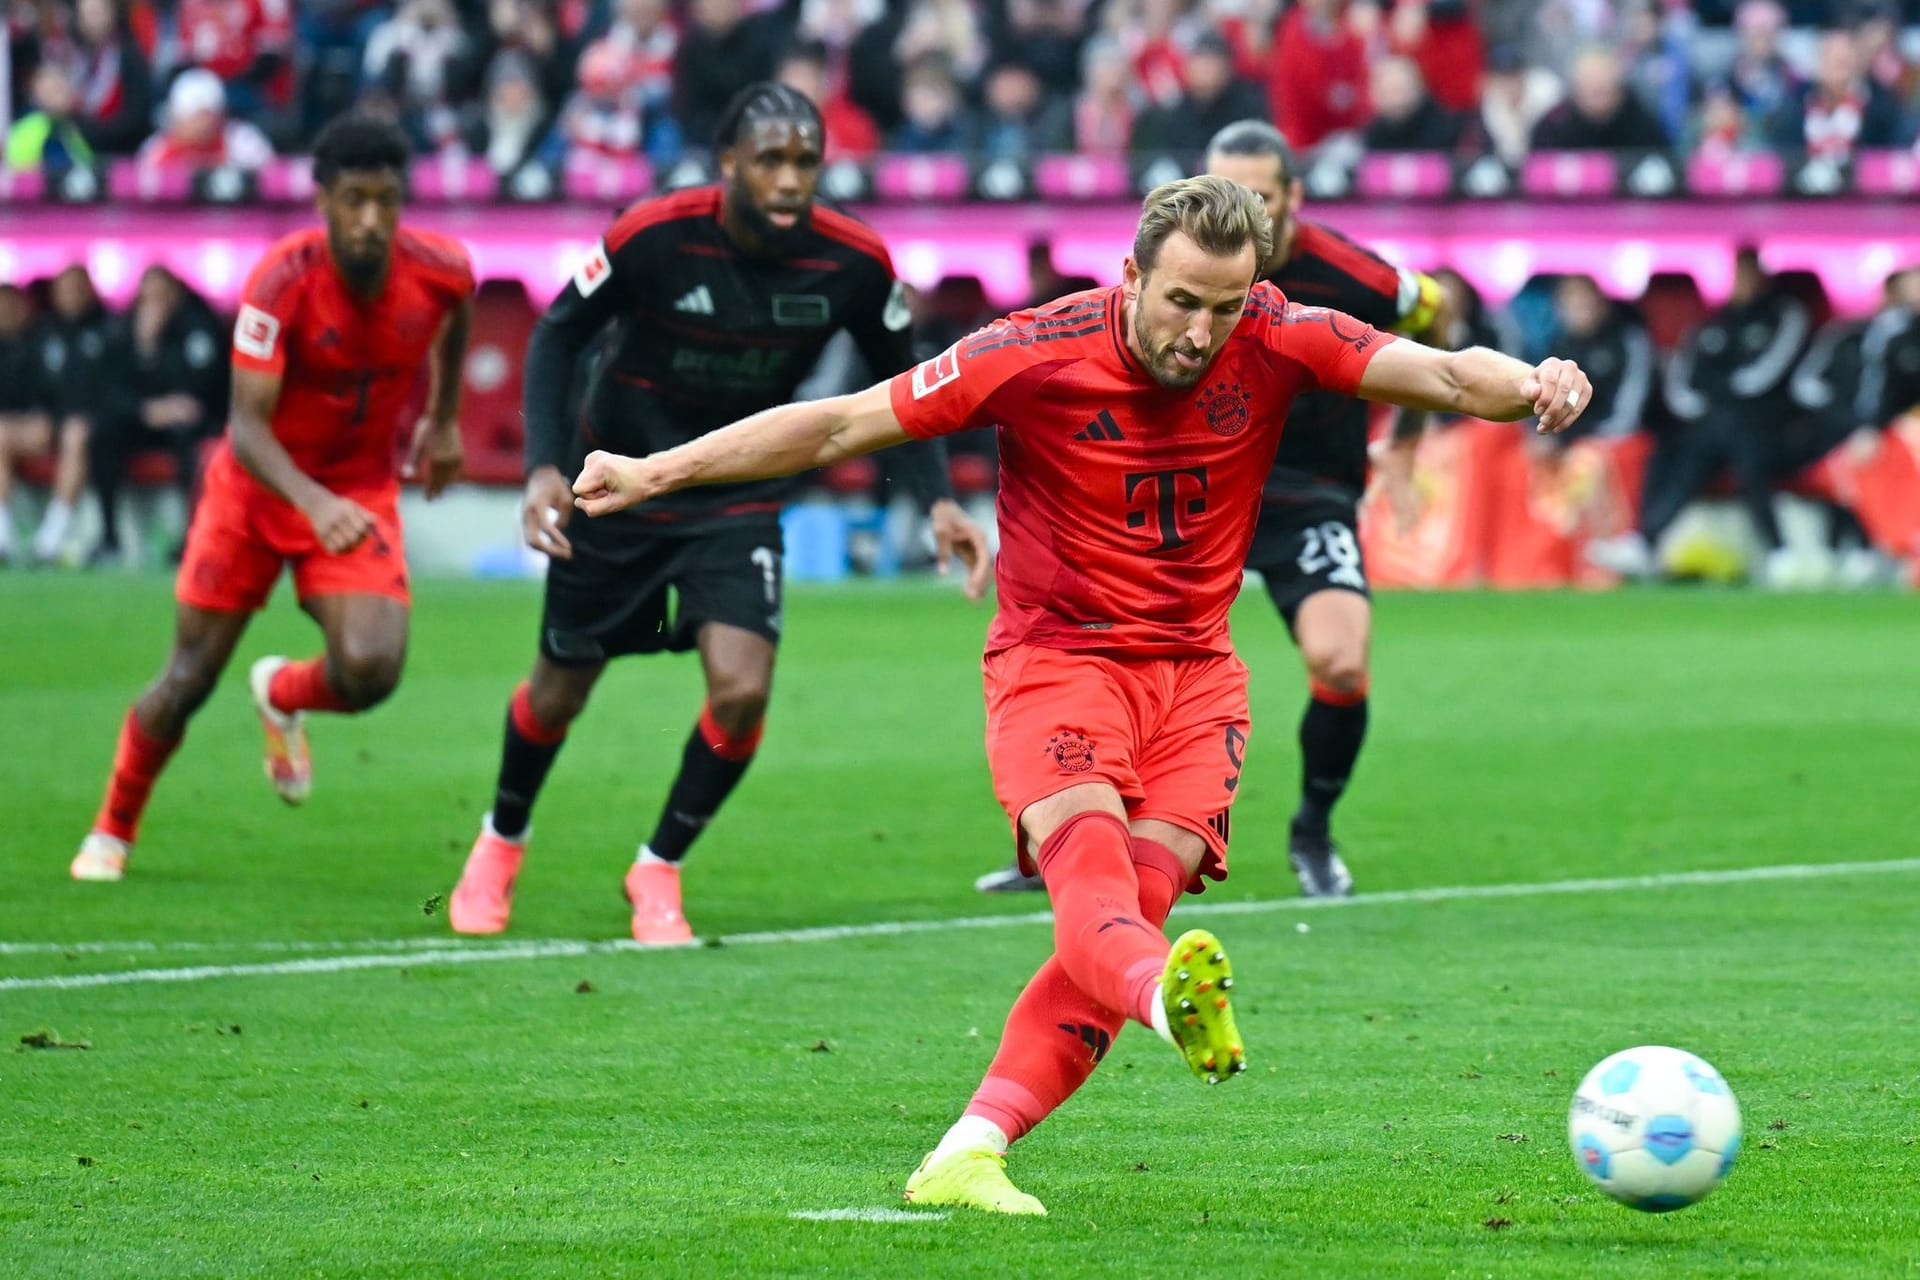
(73, 355)
(247, 44)
(169, 392)
(1045, 281)
(1877, 28)
(602, 117)
(1470, 321)
(416, 56)
(1842, 110)
(638, 53)
(1404, 117)
(1443, 39)
(949, 29)
(1599, 114)
(1654, 48)
(198, 133)
(331, 36)
(1515, 98)
(1761, 77)
(645, 37)
(1839, 392)
(1721, 127)
(109, 69)
(859, 36)
(1727, 384)
(1155, 36)
(1017, 120)
(49, 137)
(1609, 341)
(1103, 112)
(528, 28)
(1889, 385)
(24, 396)
(1046, 35)
(933, 116)
(851, 132)
(515, 119)
(722, 50)
(1317, 78)
(1215, 98)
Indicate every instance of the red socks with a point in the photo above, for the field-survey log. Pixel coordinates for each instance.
(1337, 697)
(302, 686)
(724, 744)
(527, 724)
(1109, 950)
(1056, 1034)
(137, 761)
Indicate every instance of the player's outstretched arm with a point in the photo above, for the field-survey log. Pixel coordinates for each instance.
(1478, 382)
(775, 442)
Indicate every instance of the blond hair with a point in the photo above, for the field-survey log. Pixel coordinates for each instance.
(1219, 215)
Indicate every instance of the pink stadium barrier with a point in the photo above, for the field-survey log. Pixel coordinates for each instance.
(1849, 245)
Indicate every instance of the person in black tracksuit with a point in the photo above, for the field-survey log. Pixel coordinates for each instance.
(1727, 385)
(71, 350)
(721, 300)
(168, 392)
(1608, 341)
(24, 395)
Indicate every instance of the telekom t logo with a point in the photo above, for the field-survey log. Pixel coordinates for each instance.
(1168, 495)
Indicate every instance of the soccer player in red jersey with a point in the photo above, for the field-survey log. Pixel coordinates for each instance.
(1137, 425)
(333, 327)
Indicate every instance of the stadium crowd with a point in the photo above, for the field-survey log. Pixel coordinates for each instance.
(232, 81)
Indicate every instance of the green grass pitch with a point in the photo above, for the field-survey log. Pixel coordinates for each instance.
(603, 1113)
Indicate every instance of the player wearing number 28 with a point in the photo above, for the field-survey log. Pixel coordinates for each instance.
(333, 327)
(1137, 425)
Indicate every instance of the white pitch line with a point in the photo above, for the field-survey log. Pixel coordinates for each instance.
(866, 1215)
(453, 953)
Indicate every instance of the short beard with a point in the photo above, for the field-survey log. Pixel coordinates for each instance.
(776, 240)
(1170, 376)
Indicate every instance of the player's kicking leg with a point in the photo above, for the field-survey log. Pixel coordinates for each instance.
(1333, 629)
(1107, 961)
(538, 716)
(738, 665)
(203, 643)
(366, 647)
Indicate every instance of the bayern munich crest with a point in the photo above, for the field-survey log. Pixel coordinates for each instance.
(1225, 404)
(1071, 750)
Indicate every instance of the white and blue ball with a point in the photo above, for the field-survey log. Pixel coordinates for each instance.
(1655, 1128)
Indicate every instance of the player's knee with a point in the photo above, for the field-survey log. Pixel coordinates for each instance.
(367, 676)
(738, 707)
(1341, 668)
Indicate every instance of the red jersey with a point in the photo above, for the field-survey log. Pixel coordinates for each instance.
(348, 365)
(228, 36)
(1126, 508)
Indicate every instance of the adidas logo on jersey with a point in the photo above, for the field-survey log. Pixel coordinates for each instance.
(697, 301)
(1101, 428)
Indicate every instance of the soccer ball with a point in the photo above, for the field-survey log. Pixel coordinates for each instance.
(1655, 1128)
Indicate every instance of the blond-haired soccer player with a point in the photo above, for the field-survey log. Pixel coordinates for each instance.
(1136, 427)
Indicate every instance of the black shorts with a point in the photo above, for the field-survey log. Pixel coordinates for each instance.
(1301, 549)
(634, 587)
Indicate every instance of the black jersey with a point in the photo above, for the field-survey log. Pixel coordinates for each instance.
(1323, 451)
(705, 335)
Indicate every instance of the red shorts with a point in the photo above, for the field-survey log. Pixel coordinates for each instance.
(243, 535)
(1168, 733)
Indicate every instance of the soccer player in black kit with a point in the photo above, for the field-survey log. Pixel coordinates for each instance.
(724, 297)
(1306, 546)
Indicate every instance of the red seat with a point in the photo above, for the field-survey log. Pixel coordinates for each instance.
(972, 474)
(855, 476)
(1672, 305)
(492, 381)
